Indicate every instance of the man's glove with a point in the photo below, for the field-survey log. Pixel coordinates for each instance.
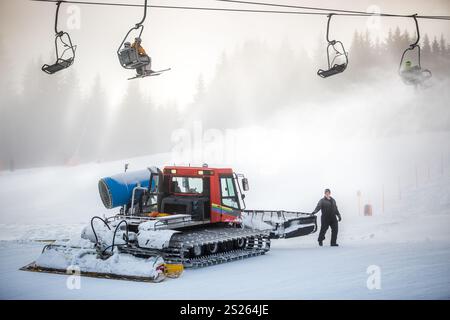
(339, 218)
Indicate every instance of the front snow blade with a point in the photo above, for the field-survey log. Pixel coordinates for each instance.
(85, 260)
(34, 268)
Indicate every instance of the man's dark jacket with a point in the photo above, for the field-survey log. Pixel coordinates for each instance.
(328, 207)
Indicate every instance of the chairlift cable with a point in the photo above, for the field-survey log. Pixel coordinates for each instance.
(126, 54)
(335, 11)
(306, 7)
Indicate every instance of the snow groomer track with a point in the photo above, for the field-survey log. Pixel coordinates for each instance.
(210, 246)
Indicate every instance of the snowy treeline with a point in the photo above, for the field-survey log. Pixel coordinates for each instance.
(258, 81)
(50, 122)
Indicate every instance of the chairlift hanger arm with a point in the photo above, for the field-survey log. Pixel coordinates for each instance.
(138, 25)
(328, 29)
(58, 4)
(412, 46)
(145, 15)
(417, 31)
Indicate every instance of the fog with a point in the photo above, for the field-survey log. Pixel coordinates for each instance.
(243, 93)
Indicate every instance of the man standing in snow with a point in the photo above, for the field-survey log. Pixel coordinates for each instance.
(329, 218)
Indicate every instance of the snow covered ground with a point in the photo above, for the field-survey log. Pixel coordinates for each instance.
(409, 244)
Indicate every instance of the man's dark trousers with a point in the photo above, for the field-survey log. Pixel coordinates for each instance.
(326, 222)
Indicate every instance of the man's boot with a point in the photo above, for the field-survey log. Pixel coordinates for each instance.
(334, 245)
(320, 243)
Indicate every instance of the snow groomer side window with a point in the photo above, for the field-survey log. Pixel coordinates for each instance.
(229, 196)
(187, 185)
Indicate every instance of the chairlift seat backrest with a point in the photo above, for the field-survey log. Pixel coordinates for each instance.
(130, 59)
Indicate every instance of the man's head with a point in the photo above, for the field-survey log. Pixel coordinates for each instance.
(327, 193)
(138, 40)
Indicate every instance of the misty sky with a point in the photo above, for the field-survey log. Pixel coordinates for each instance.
(189, 42)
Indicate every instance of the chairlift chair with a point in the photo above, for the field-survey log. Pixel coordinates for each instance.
(129, 56)
(335, 52)
(62, 39)
(413, 75)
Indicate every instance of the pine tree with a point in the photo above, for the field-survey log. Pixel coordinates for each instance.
(71, 117)
(435, 49)
(93, 131)
(387, 48)
(398, 44)
(426, 46)
(36, 112)
(6, 159)
(405, 41)
(200, 90)
(442, 45)
(356, 50)
(319, 56)
(390, 39)
(133, 125)
(367, 52)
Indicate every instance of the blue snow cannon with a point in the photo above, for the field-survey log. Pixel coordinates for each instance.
(117, 190)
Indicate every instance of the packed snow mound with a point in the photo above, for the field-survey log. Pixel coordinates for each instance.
(104, 234)
(149, 237)
(155, 239)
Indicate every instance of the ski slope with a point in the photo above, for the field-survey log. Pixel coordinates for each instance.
(410, 243)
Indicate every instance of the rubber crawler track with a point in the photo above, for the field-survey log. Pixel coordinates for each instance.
(256, 242)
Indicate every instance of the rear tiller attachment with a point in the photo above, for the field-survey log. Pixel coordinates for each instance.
(283, 224)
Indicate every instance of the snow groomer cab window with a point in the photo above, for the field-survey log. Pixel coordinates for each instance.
(228, 192)
(188, 185)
